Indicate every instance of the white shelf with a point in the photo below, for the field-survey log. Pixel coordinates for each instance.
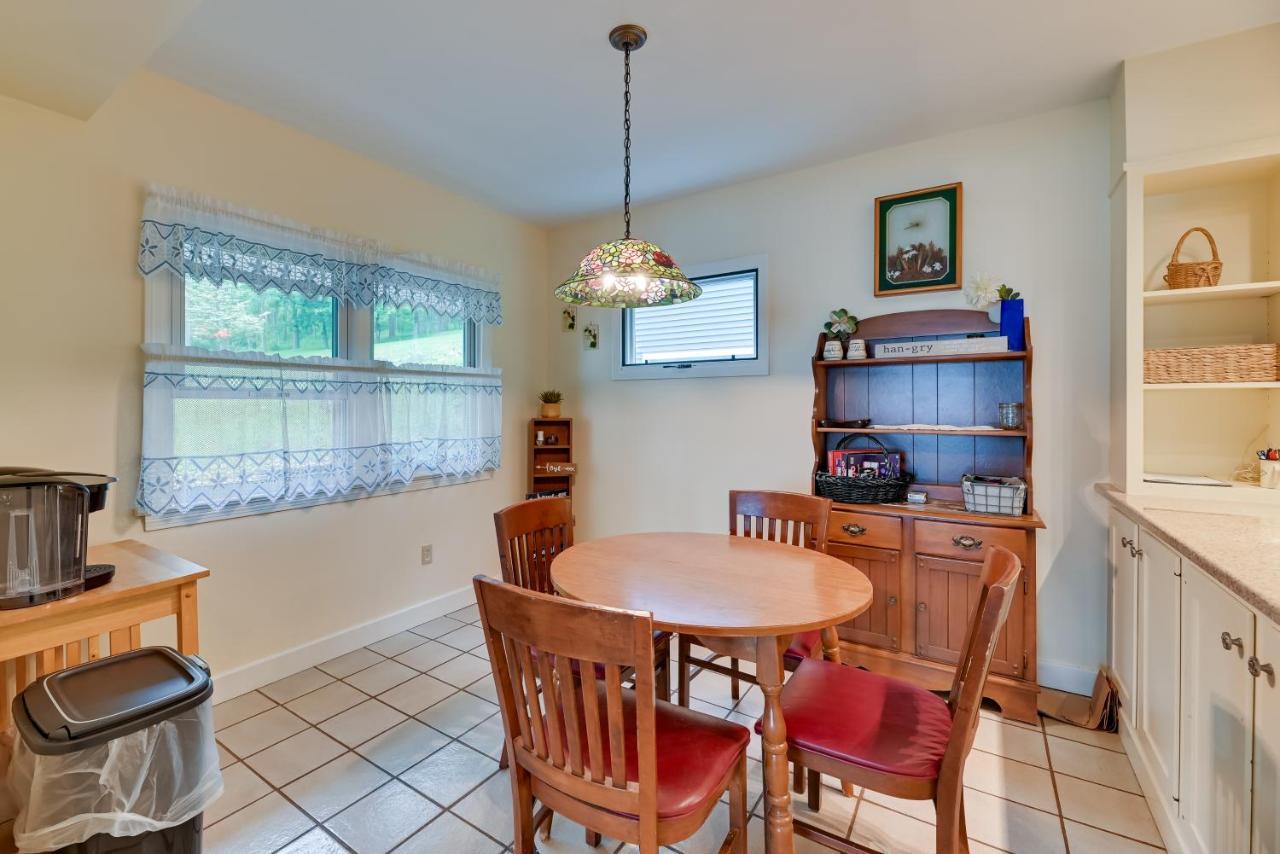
(1200, 386)
(1186, 296)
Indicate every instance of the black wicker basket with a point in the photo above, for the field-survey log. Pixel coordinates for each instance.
(863, 490)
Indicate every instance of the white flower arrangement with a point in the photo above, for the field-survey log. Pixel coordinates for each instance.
(983, 290)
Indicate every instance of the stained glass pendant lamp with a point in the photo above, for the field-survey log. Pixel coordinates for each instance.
(627, 273)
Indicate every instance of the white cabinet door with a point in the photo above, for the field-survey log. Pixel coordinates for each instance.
(1217, 715)
(1159, 598)
(1124, 611)
(1266, 741)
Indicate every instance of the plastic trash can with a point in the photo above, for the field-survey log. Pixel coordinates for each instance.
(116, 755)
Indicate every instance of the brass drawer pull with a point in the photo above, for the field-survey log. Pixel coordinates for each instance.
(1126, 543)
(1257, 668)
(853, 530)
(1228, 641)
(965, 541)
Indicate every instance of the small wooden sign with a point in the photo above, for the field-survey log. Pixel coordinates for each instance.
(555, 468)
(950, 347)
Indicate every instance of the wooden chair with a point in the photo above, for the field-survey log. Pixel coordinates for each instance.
(783, 517)
(619, 761)
(891, 736)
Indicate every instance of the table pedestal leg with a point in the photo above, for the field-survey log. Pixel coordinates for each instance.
(831, 644)
(778, 823)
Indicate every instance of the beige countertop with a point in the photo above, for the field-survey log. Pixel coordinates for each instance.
(1236, 543)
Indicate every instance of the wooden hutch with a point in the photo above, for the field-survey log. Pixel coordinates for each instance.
(924, 560)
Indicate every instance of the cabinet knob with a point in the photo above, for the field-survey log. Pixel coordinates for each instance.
(853, 530)
(1228, 641)
(921, 606)
(1257, 668)
(965, 541)
(893, 600)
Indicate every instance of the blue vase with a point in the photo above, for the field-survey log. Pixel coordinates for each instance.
(1011, 315)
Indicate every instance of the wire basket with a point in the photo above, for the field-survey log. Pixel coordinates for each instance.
(1006, 496)
(866, 489)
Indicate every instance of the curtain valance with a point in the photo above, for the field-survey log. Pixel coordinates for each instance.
(189, 237)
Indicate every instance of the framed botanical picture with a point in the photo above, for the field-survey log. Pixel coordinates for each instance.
(919, 238)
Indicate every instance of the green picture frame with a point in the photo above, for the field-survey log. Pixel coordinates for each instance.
(919, 237)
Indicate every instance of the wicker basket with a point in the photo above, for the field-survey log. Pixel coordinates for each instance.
(1194, 274)
(863, 490)
(1237, 363)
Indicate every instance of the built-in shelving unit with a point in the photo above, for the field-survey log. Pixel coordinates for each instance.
(1203, 428)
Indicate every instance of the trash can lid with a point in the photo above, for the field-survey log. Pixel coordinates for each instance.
(95, 702)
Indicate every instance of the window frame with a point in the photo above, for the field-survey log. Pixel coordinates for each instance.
(759, 366)
(165, 326)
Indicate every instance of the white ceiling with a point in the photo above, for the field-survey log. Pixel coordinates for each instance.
(518, 103)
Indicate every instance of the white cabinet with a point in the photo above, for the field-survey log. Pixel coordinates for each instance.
(1266, 740)
(1122, 552)
(1159, 640)
(1217, 716)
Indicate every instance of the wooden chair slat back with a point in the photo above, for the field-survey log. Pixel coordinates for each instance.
(1000, 572)
(783, 517)
(564, 716)
(530, 535)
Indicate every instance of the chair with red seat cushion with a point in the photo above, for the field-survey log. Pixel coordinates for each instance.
(783, 517)
(894, 737)
(617, 761)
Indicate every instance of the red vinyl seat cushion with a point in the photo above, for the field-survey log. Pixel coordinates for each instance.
(695, 752)
(865, 719)
(802, 645)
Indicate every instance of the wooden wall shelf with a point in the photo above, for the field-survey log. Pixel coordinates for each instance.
(1188, 296)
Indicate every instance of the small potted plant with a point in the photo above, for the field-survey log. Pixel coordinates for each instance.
(550, 403)
(984, 291)
(840, 327)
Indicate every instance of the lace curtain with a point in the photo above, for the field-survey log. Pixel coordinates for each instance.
(228, 433)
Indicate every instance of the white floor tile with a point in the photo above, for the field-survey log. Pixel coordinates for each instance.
(1093, 763)
(458, 713)
(285, 762)
(484, 688)
(292, 687)
(1085, 838)
(465, 638)
(415, 695)
(716, 688)
(449, 773)
(450, 834)
(240, 787)
(225, 757)
(1107, 740)
(314, 842)
(489, 808)
(361, 723)
(239, 708)
(1007, 778)
(261, 731)
(332, 788)
(396, 644)
(437, 627)
(380, 677)
(881, 829)
(403, 745)
(428, 655)
(326, 702)
(1010, 826)
(382, 820)
(462, 671)
(1012, 742)
(469, 614)
(489, 737)
(344, 665)
(751, 704)
(263, 827)
(1107, 808)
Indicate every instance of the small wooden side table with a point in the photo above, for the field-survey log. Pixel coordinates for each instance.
(148, 585)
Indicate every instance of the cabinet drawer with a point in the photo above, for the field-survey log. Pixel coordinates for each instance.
(864, 529)
(967, 542)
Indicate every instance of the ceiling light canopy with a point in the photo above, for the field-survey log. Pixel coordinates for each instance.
(627, 273)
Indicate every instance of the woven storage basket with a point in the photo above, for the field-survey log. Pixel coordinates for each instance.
(1237, 363)
(1194, 274)
(863, 490)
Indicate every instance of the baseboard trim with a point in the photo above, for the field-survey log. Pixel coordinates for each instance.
(1065, 677)
(1163, 808)
(247, 677)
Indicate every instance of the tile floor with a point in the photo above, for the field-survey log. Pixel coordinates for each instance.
(394, 747)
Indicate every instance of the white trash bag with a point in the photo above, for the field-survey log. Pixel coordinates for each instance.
(148, 780)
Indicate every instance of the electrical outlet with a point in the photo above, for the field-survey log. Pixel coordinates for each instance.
(427, 555)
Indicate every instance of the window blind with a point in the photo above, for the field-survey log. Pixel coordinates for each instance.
(719, 325)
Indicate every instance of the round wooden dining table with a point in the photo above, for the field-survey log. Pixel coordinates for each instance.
(740, 593)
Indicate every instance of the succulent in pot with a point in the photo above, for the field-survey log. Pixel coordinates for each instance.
(550, 403)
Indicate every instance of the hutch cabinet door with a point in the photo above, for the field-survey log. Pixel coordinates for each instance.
(947, 593)
(1217, 715)
(1159, 640)
(1124, 610)
(881, 624)
(1266, 740)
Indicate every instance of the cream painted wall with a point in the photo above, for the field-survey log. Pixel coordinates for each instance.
(661, 454)
(70, 365)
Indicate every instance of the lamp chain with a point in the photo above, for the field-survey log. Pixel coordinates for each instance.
(626, 136)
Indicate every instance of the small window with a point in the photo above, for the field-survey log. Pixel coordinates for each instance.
(722, 333)
(406, 335)
(237, 318)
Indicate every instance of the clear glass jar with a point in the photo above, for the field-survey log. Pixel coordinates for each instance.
(1011, 416)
